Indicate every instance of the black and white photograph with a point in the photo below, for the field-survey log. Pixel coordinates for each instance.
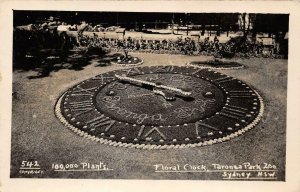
(141, 94)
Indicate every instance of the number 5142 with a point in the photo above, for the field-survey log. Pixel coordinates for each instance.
(30, 164)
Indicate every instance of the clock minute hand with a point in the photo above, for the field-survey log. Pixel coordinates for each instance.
(129, 79)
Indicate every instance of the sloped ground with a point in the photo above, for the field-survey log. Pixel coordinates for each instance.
(38, 135)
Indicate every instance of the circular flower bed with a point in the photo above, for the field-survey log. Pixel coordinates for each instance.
(129, 60)
(216, 64)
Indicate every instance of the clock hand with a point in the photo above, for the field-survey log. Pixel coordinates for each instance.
(174, 89)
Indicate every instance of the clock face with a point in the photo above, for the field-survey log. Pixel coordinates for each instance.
(160, 107)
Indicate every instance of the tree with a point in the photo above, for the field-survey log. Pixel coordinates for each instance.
(252, 18)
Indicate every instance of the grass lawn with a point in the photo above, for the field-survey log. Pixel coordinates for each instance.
(38, 135)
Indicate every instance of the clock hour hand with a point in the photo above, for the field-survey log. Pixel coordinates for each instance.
(158, 86)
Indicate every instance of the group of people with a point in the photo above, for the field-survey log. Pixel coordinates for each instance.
(186, 46)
